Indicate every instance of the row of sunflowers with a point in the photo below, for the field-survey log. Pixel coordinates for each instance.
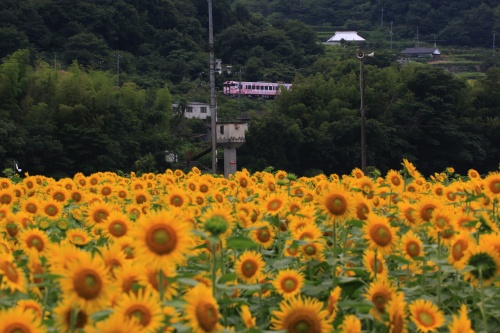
(268, 251)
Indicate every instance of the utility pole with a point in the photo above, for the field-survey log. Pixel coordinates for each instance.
(382, 17)
(391, 35)
(118, 56)
(494, 40)
(361, 57)
(239, 90)
(213, 111)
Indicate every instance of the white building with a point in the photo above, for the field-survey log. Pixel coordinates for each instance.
(347, 36)
(195, 110)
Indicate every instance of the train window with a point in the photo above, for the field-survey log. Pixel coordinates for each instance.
(265, 88)
(233, 84)
(203, 109)
(253, 87)
(189, 109)
(222, 129)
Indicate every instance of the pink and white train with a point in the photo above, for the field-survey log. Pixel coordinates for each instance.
(254, 89)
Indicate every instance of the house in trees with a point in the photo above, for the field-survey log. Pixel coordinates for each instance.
(196, 110)
(422, 52)
(345, 36)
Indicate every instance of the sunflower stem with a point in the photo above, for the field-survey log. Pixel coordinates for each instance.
(334, 241)
(439, 269)
(214, 267)
(482, 307)
(260, 302)
(375, 269)
(73, 317)
(160, 284)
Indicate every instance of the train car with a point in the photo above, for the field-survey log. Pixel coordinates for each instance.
(254, 89)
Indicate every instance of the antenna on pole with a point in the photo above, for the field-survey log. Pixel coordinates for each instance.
(213, 110)
(494, 39)
(382, 17)
(118, 56)
(417, 45)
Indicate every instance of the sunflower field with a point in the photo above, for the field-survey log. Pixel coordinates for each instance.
(261, 252)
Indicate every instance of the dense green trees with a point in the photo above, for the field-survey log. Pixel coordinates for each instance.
(415, 111)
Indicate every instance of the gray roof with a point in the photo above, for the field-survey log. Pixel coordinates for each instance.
(421, 50)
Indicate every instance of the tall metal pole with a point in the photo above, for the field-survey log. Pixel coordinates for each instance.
(363, 116)
(213, 111)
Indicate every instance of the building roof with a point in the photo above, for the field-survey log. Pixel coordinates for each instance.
(348, 36)
(422, 50)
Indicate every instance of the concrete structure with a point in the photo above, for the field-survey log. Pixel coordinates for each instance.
(230, 135)
(347, 36)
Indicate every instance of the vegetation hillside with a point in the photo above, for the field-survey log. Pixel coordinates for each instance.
(88, 86)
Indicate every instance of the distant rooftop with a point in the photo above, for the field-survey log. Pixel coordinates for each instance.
(421, 51)
(348, 36)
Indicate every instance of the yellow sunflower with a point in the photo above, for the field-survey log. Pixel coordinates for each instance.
(408, 213)
(485, 263)
(32, 306)
(31, 205)
(395, 180)
(426, 207)
(492, 185)
(176, 197)
(7, 196)
(350, 324)
(301, 314)
(379, 234)
(86, 283)
(249, 266)
(98, 212)
(370, 261)
(150, 277)
(411, 245)
(332, 303)
(13, 277)
(262, 233)
(274, 203)
(34, 240)
(60, 194)
(443, 222)
(201, 310)
(143, 308)
(115, 323)
(337, 202)
(460, 322)
(127, 277)
(288, 282)
(51, 209)
(116, 225)
(313, 251)
(457, 248)
(161, 238)
(380, 292)
(426, 315)
(68, 315)
(247, 318)
(17, 320)
(78, 236)
(396, 308)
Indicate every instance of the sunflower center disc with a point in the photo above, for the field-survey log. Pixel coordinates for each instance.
(161, 239)
(426, 319)
(302, 327)
(495, 187)
(207, 316)
(249, 268)
(118, 229)
(289, 285)
(87, 284)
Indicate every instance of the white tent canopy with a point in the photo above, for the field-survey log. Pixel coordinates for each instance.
(348, 36)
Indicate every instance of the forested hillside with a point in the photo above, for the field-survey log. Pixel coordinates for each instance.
(89, 85)
(462, 23)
